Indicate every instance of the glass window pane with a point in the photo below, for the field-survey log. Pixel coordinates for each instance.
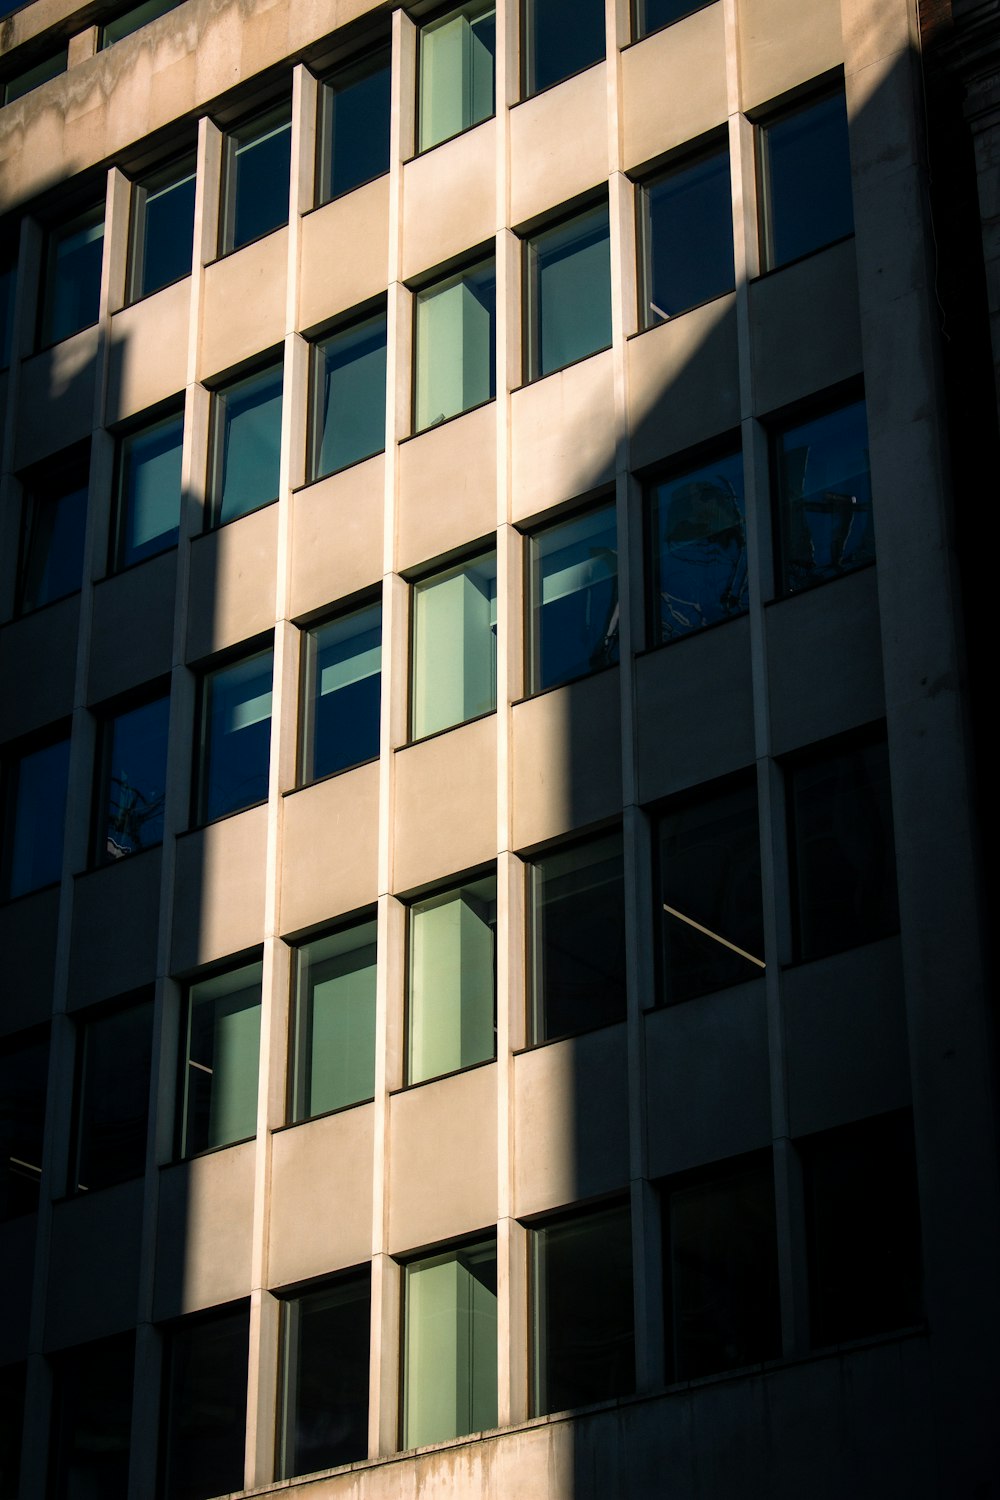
(324, 1360)
(236, 737)
(149, 490)
(163, 228)
(34, 819)
(450, 1345)
(454, 646)
(806, 168)
(699, 548)
(354, 134)
(582, 1314)
(574, 598)
(578, 938)
(688, 237)
(19, 84)
(349, 397)
(52, 540)
(139, 15)
(334, 1021)
(204, 1430)
(561, 37)
(825, 525)
(343, 694)
(112, 1101)
(92, 1410)
(72, 292)
(258, 168)
(650, 15)
(24, 1068)
(247, 419)
(134, 778)
(221, 1059)
(457, 55)
(455, 331)
(569, 276)
(711, 914)
(452, 994)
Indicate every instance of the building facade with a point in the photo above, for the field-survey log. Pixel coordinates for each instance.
(495, 994)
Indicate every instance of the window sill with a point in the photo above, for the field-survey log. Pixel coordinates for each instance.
(221, 818)
(689, 635)
(537, 379)
(435, 734)
(445, 140)
(145, 296)
(768, 271)
(355, 765)
(37, 609)
(568, 1036)
(567, 682)
(257, 239)
(820, 583)
(537, 93)
(139, 562)
(667, 25)
(182, 1161)
(729, 291)
(422, 1083)
(215, 526)
(444, 422)
(324, 1114)
(344, 193)
(344, 469)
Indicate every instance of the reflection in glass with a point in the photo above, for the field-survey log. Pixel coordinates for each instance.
(699, 548)
(450, 1345)
(220, 1060)
(568, 271)
(72, 293)
(112, 1101)
(24, 1068)
(34, 819)
(354, 126)
(162, 228)
(324, 1377)
(343, 693)
(134, 778)
(457, 55)
(651, 15)
(455, 333)
(687, 234)
(236, 737)
(560, 37)
(574, 598)
(454, 646)
(824, 498)
(130, 21)
(805, 167)
(451, 1018)
(92, 1419)
(348, 421)
(52, 539)
(203, 1440)
(334, 1022)
(258, 164)
(149, 490)
(578, 938)
(247, 445)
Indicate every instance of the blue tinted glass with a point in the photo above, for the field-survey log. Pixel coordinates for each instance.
(455, 335)
(202, 1443)
(73, 277)
(164, 233)
(349, 421)
(689, 238)
(344, 693)
(248, 445)
(236, 736)
(562, 37)
(650, 15)
(55, 520)
(570, 270)
(825, 498)
(807, 173)
(325, 1416)
(134, 776)
(34, 819)
(259, 168)
(574, 598)
(699, 548)
(150, 490)
(355, 146)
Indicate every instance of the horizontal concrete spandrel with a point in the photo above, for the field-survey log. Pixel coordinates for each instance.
(566, 759)
(333, 277)
(28, 931)
(558, 145)
(219, 897)
(683, 382)
(148, 361)
(249, 279)
(456, 460)
(674, 86)
(204, 1231)
(56, 401)
(31, 698)
(321, 1196)
(449, 199)
(329, 851)
(336, 537)
(132, 633)
(116, 913)
(562, 438)
(95, 1265)
(232, 583)
(805, 328)
(782, 42)
(445, 816)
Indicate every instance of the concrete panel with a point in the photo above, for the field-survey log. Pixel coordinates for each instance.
(683, 382)
(824, 658)
(558, 145)
(28, 929)
(337, 536)
(570, 1121)
(32, 698)
(694, 710)
(204, 1232)
(674, 85)
(567, 759)
(443, 1159)
(329, 850)
(148, 361)
(707, 1083)
(449, 199)
(253, 277)
(232, 583)
(321, 1196)
(804, 327)
(132, 635)
(330, 237)
(116, 916)
(782, 42)
(17, 1255)
(456, 460)
(562, 435)
(219, 896)
(56, 399)
(446, 804)
(845, 1037)
(94, 1267)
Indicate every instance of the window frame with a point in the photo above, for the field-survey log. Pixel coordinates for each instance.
(258, 125)
(639, 33)
(172, 174)
(441, 13)
(306, 728)
(816, 92)
(170, 1334)
(19, 1042)
(528, 89)
(315, 426)
(693, 154)
(116, 563)
(531, 359)
(241, 964)
(285, 1469)
(216, 468)
(460, 565)
(418, 294)
(446, 889)
(367, 918)
(46, 336)
(135, 1001)
(14, 754)
(59, 478)
(262, 646)
(106, 715)
(531, 594)
(323, 159)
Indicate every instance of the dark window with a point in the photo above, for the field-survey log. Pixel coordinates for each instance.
(324, 1377)
(257, 178)
(864, 1229)
(246, 445)
(333, 1029)
(24, 1067)
(568, 279)
(824, 525)
(698, 548)
(711, 917)
(53, 527)
(843, 854)
(71, 295)
(686, 227)
(34, 817)
(8, 287)
(221, 1054)
(451, 1012)
(162, 228)
(577, 938)
(804, 168)
(354, 126)
(450, 1344)
(235, 737)
(583, 1341)
(16, 85)
(573, 588)
(457, 63)
(203, 1438)
(112, 1097)
(455, 345)
(92, 1411)
(13, 1379)
(348, 415)
(131, 19)
(343, 693)
(721, 1269)
(453, 675)
(132, 784)
(651, 15)
(559, 38)
(149, 490)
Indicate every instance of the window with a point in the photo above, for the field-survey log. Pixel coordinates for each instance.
(652, 15)
(8, 287)
(148, 491)
(257, 177)
(92, 1420)
(13, 1379)
(333, 1025)
(162, 228)
(34, 816)
(457, 57)
(235, 750)
(573, 589)
(559, 38)
(133, 773)
(112, 1097)
(348, 413)
(71, 295)
(246, 445)
(454, 675)
(720, 1256)
(804, 170)
(711, 916)
(16, 85)
(24, 1070)
(451, 1020)
(354, 126)
(324, 1377)
(686, 234)
(131, 19)
(455, 345)
(342, 696)
(203, 1435)
(863, 1224)
(53, 531)
(843, 855)
(450, 1344)
(583, 1340)
(577, 938)
(824, 526)
(568, 279)
(697, 548)
(221, 1049)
